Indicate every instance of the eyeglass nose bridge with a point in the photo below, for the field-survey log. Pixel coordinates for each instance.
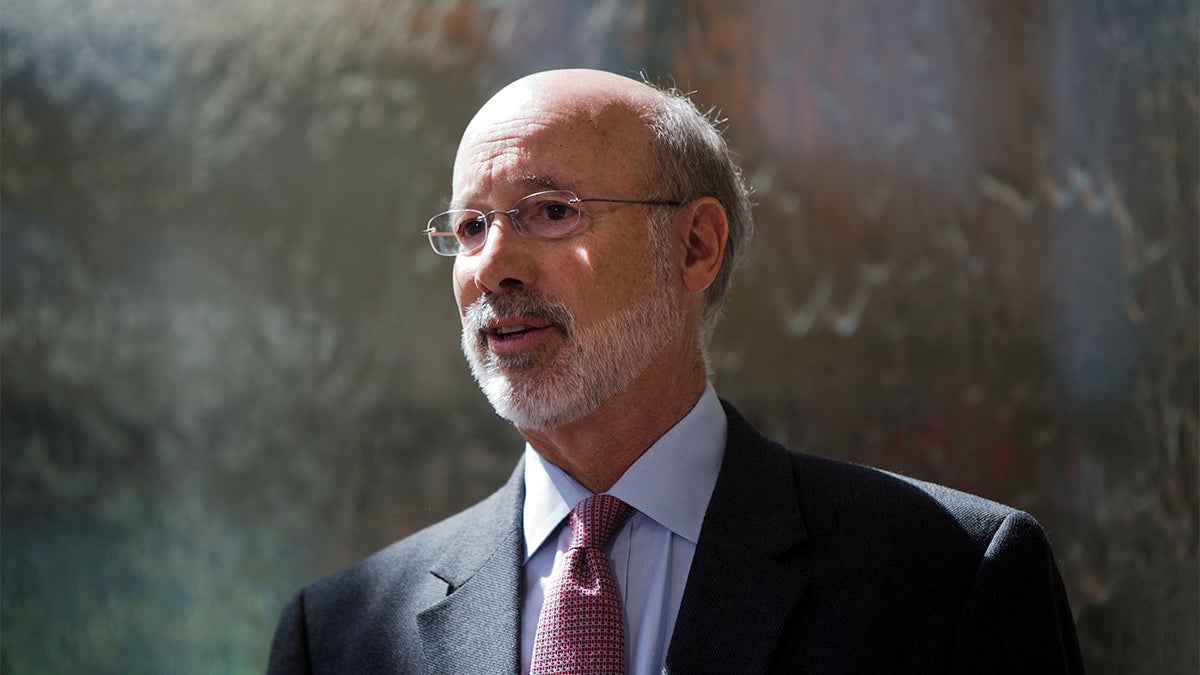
(489, 223)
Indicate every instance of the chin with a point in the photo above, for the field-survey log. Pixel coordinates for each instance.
(537, 405)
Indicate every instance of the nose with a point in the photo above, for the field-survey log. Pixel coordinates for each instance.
(505, 261)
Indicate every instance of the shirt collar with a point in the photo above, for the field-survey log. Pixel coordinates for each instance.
(670, 483)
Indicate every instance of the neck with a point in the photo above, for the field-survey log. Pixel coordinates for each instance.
(597, 449)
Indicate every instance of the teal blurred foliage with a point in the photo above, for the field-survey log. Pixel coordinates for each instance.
(230, 363)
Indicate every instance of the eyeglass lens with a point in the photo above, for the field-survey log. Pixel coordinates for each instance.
(543, 215)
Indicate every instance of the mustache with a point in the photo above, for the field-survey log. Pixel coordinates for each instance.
(521, 302)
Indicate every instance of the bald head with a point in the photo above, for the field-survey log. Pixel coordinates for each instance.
(593, 107)
(579, 89)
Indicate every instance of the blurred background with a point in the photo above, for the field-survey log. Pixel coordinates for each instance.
(230, 363)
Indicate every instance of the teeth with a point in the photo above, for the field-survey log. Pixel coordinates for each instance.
(509, 330)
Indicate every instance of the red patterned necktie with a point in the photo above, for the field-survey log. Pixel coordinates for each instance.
(580, 628)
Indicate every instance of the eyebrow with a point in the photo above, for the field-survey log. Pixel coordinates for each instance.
(533, 182)
(540, 180)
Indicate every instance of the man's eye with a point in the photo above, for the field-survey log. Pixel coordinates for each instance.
(558, 210)
(548, 215)
(471, 229)
(551, 212)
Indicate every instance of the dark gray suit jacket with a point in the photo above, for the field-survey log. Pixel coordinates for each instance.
(804, 564)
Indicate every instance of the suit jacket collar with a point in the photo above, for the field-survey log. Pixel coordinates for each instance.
(476, 627)
(744, 581)
(745, 578)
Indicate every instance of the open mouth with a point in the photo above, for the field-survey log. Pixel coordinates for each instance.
(509, 332)
(516, 333)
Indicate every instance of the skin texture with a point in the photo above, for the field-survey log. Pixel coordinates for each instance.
(582, 130)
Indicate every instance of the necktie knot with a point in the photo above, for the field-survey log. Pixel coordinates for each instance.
(596, 519)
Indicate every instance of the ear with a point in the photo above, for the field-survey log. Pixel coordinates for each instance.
(704, 234)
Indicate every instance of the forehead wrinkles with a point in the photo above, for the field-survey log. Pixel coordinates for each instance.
(602, 144)
(500, 152)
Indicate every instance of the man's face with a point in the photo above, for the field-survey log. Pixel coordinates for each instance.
(553, 329)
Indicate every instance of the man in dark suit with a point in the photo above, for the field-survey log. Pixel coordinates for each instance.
(595, 227)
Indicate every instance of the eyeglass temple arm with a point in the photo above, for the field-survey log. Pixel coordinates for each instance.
(675, 203)
(630, 201)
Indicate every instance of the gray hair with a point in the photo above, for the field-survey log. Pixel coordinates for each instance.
(694, 161)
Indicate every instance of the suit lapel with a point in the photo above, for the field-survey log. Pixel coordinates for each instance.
(476, 628)
(745, 579)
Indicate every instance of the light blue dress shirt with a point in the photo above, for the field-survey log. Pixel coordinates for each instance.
(669, 486)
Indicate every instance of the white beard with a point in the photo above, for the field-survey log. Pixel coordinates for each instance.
(538, 392)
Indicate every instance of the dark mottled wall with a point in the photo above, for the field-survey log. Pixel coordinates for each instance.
(230, 362)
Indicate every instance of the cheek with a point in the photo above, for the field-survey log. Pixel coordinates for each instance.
(622, 278)
(464, 293)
